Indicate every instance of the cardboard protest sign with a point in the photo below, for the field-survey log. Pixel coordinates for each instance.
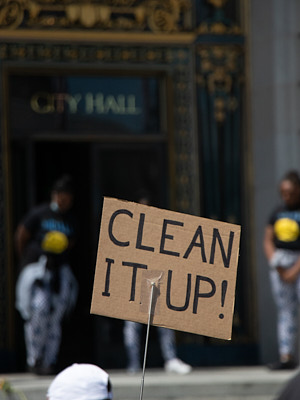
(192, 260)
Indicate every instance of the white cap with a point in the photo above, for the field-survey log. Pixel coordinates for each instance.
(80, 382)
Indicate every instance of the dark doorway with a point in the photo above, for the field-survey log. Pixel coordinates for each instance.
(36, 165)
(98, 169)
(122, 171)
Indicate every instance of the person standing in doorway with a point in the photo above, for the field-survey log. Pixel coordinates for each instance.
(46, 288)
(132, 335)
(282, 249)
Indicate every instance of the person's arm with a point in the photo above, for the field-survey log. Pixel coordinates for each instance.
(268, 242)
(289, 275)
(22, 236)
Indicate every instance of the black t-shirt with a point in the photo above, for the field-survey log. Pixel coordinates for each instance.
(39, 221)
(286, 224)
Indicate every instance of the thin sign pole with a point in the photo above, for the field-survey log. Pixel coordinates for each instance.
(147, 340)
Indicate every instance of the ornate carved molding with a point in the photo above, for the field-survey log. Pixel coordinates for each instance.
(218, 24)
(112, 15)
(220, 67)
(220, 75)
(218, 28)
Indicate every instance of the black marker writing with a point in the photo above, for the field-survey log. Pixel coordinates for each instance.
(135, 267)
(187, 297)
(217, 236)
(107, 278)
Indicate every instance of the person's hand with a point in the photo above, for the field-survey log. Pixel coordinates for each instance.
(289, 275)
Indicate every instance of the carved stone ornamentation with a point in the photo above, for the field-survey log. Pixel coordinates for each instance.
(218, 24)
(220, 68)
(220, 74)
(112, 15)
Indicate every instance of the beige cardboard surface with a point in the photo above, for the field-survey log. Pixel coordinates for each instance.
(191, 260)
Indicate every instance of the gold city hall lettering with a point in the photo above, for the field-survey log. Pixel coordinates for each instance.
(90, 103)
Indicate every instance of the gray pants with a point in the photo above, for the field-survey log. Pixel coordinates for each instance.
(43, 330)
(132, 341)
(287, 299)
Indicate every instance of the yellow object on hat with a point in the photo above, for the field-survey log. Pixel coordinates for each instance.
(55, 242)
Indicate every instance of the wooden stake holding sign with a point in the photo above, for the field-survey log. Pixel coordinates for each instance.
(147, 338)
(189, 262)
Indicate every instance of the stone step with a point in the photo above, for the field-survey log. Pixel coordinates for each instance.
(246, 383)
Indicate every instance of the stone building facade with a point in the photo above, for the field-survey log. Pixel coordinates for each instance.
(125, 94)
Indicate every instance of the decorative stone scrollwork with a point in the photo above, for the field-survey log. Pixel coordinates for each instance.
(165, 15)
(134, 15)
(219, 68)
(218, 24)
(11, 13)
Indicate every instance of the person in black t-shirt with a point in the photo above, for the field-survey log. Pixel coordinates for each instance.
(282, 250)
(46, 289)
(54, 216)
